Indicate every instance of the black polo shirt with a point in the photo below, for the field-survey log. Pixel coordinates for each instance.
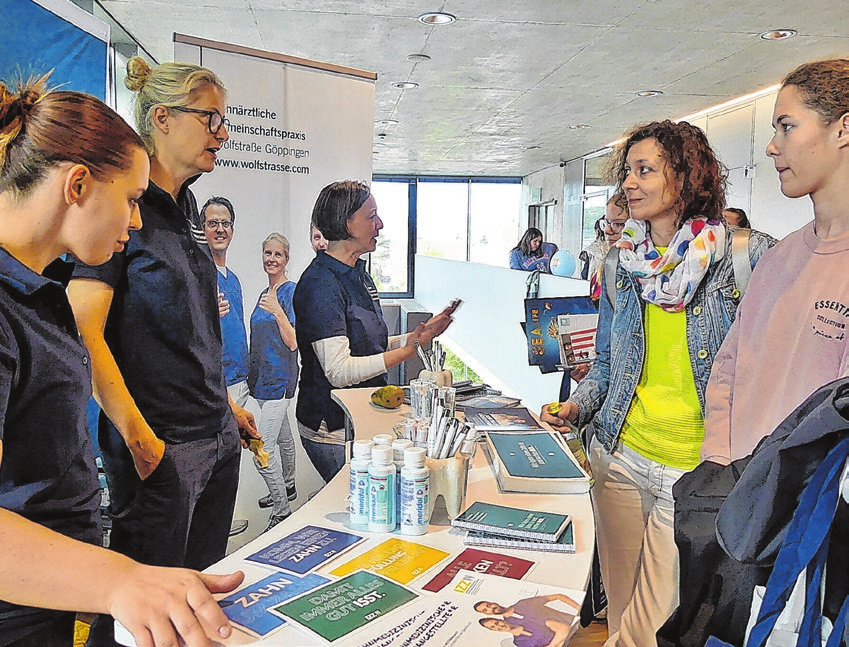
(163, 326)
(333, 299)
(47, 472)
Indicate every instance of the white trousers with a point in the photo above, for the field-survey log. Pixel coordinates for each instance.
(280, 445)
(634, 511)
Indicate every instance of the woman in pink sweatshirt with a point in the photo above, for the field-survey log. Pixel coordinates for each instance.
(790, 335)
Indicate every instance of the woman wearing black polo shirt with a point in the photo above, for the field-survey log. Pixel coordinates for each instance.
(71, 175)
(341, 333)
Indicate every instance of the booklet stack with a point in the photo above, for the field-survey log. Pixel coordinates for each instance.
(496, 525)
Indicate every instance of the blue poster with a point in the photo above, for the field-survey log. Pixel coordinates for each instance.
(248, 608)
(305, 549)
(35, 40)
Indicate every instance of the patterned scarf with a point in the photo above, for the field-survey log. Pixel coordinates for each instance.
(670, 280)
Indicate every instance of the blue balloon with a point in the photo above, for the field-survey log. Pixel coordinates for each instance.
(563, 263)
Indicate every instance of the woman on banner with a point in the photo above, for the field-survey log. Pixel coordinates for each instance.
(790, 338)
(72, 173)
(273, 376)
(342, 336)
(644, 396)
(150, 319)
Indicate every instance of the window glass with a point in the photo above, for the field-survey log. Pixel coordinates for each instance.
(441, 222)
(389, 261)
(594, 208)
(494, 221)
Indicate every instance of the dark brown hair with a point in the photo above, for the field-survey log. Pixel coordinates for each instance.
(524, 243)
(824, 86)
(336, 205)
(692, 163)
(40, 129)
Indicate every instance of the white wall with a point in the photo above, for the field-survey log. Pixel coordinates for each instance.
(736, 133)
(486, 333)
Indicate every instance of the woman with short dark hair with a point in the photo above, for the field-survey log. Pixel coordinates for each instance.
(341, 333)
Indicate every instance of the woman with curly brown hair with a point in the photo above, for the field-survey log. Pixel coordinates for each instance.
(644, 397)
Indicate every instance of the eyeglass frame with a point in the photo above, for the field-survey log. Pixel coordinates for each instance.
(212, 225)
(208, 113)
(616, 226)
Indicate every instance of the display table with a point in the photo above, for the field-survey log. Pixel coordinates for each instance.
(328, 509)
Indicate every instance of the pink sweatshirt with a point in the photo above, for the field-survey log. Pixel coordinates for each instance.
(789, 338)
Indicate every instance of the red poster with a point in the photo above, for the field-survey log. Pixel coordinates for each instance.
(480, 561)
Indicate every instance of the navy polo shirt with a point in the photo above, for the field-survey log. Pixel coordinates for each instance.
(233, 334)
(163, 326)
(333, 299)
(273, 371)
(47, 472)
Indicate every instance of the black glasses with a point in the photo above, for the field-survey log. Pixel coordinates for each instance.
(212, 225)
(215, 118)
(615, 226)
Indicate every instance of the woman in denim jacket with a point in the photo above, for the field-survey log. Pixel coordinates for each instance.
(645, 394)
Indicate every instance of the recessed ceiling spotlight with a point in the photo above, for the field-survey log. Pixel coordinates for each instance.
(777, 34)
(649, 93)
(532, 147)
(437, 18)
(405, 85)
(418, 58)
(578, 126)
(388, 122)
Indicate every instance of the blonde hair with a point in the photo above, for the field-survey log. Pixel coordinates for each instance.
(169, 85)
(40, 129)
(280, 238)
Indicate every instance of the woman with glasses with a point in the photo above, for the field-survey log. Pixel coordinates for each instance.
(149, 316)
(644, 397)
(71, 176)
(530, 253)
(273, 376)
(609, 232)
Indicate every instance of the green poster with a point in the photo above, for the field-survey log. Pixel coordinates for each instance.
(337, 609)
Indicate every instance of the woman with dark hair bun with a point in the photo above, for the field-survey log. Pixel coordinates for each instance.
(530, 253)
(735, 217)
(644, 396)
(72, 173)
(341, 333)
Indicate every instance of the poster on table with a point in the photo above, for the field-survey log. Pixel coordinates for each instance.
(480, 561)
(399, 560)
(305, 549)
(480, 609)
(295, 126)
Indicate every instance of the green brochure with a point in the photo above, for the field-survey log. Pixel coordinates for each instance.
(346, 605)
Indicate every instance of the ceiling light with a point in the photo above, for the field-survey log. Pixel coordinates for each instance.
(405, 85)
(533, 147)
(437, 18)
(388, 122)
(578, 126)
(649, 93)
(418, 58)
(777, 34)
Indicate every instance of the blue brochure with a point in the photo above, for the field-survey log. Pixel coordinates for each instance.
(248, 608)
(305, 549)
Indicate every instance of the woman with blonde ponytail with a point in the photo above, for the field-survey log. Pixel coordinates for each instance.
(72, 173)
(149, 317)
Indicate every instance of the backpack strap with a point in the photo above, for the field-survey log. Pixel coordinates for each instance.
(611, 262)
(740, 260)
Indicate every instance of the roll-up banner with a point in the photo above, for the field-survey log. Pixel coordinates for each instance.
(295, 126)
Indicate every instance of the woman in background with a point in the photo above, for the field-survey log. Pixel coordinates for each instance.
(645, 393)
(530, 253)
(342, 336)
(790, 337)
(71, 176)
(273, 376)
(736, 218)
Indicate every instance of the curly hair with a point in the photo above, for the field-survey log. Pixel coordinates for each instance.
(824, 86)
(693, 164)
